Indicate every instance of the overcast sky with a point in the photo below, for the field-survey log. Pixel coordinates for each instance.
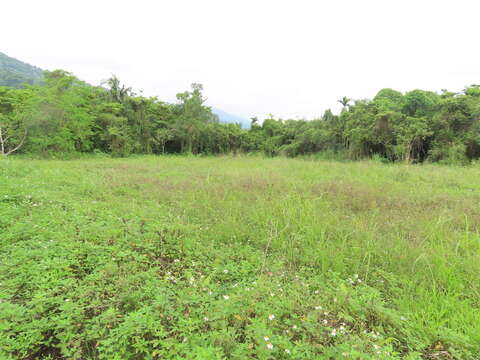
(290, 58)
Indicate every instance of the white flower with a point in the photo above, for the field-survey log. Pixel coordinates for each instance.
(225, 271)
(67, 299)
(266, 338)
(271, 317)
(334, 332)
(272, 294)
(325, 322)
(269, 346)
(205, 318)
(318, 307)
(287, 351)
(403, 318)
(316, 291)
(176, 261)
(226, 297)
(294, 327)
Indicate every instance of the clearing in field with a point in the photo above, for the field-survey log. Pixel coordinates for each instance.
(235, 258)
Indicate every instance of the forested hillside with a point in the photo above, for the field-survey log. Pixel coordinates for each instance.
(64, 115)
(15, 73)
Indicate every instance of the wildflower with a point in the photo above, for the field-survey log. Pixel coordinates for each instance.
(185, 339)
(287, 351)
(403, 318)
(271, 317)
(226, 297)
(269, 346)
(225, 271)
(316, 291)
(67, 299)
(294, 327)
(272, 294)
(334, 332)
(318, 307)
(176, 261)
(325, 322)
(205, 318)
(266, 338)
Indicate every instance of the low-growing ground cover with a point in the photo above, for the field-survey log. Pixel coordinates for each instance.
(235, 258)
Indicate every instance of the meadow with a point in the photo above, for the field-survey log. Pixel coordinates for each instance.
(177, 257)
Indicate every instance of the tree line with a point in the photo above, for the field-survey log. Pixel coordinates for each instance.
(64, 115)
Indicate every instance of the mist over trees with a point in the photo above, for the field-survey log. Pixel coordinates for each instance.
(64, 115)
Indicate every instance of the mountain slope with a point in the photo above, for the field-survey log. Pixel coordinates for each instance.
(15, 73)
(228, 118)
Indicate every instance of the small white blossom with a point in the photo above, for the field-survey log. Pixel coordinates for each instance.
(205, 318)
(225, 271)
(266, 338)
(176, 261)
(271, 317)
(318, 307)
(287, 351)
(334, 332)
(316, 291)
(226, 297)
(269, 346)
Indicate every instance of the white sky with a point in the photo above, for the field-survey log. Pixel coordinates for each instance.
(290, 58)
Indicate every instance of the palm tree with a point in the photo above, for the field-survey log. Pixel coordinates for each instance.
(344, 101)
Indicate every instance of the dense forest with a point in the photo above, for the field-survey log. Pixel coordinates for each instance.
(15, 73)
(63, 115)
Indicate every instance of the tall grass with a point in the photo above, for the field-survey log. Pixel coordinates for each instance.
(176, 257)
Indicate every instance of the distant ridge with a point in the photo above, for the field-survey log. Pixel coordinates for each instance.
(15, 73)
(228, 118)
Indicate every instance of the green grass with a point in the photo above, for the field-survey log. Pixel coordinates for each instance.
(188, 258)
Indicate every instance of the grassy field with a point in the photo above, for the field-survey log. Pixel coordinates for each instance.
(236, 258)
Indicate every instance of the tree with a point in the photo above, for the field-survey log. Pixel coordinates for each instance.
(12, 131)
(344, 101)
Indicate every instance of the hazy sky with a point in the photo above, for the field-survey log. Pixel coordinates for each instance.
(290, 58)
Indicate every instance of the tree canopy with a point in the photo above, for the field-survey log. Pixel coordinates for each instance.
(63, 115)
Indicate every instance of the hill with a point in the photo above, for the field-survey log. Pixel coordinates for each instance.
(228, 118)
(15, 73)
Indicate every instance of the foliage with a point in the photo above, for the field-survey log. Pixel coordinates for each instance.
(65, 116)
(15, 73)
(237, 258)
